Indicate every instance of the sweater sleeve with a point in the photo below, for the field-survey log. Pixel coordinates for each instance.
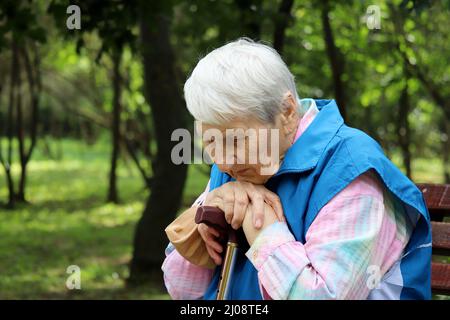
(359, 234)
(184, 280)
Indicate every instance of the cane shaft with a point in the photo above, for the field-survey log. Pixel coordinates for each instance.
(227, 271)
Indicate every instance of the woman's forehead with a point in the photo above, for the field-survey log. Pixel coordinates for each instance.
(235, 125)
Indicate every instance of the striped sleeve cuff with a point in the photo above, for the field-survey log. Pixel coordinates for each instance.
(267, 242)
(279, 259)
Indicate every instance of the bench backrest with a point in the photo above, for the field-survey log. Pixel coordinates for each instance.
(437, 197)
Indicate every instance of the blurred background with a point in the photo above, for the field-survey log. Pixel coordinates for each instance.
(90, 92)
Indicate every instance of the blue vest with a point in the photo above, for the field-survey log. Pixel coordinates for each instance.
(325, 159)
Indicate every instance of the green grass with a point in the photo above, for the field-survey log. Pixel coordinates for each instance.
(423, 170)
(67, 222)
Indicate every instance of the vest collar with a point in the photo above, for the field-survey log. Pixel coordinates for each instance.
(305, 152)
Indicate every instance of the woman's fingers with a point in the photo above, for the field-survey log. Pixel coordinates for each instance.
(202, 229)
(213, 231)
(257, 205)
(209, 236)
(213, 243)
(227, 194)
(214, 255)
(240, 206)
(214, 249)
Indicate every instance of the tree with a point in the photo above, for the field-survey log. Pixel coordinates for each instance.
(414, 64)
(162, 90)
(21, 30)
(114, 24)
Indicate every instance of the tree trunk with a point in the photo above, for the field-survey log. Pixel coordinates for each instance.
(336, 59)
(281, 22)
(34, 86)
(163, 92)
(20, 196)
(115, 126)
(7, 163)
(250, 18)
(403, 129)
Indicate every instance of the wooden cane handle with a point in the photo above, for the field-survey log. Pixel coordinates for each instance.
(215, 217)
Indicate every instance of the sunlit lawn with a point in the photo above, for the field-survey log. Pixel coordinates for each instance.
(68, 223)
(424, 170)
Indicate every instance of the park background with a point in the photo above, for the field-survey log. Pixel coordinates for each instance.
(86, 117)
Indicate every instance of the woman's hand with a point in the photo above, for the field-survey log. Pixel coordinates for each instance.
(235, 199)
(210, 236)
(251, 233)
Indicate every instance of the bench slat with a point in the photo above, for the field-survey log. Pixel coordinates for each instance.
(440, 278)
(437, 197)
(441, 238)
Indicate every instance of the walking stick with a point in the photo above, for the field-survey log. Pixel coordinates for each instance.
(214, 217)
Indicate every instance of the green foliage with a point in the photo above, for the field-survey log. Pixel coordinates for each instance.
(114, 23)
(20, 20)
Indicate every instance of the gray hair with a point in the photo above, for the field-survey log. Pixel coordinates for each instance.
(242, 79)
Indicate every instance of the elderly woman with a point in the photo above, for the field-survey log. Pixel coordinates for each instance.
(333, 219)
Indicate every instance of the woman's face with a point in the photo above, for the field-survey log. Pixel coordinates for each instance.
(249, 150)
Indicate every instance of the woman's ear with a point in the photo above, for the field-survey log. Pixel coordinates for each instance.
(289, 116)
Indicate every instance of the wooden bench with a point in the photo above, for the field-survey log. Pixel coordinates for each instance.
(437, 197)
